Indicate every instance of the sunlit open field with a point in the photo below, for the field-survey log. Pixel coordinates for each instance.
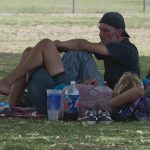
(20, 31)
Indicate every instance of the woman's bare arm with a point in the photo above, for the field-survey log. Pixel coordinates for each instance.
(126, 97)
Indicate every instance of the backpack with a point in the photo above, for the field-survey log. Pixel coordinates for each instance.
(138, 110)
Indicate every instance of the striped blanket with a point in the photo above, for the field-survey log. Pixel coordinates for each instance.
(20, 112)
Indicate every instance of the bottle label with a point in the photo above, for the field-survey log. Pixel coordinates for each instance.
(71, 103)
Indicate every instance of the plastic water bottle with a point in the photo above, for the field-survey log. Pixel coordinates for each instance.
(71, 102)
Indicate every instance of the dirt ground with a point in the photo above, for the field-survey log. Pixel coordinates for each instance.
(14, 39)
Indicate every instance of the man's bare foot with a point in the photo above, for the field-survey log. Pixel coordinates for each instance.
(4, 87)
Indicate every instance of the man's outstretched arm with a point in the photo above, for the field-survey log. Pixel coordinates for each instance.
(82, 44)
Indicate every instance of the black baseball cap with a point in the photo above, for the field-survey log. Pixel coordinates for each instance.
(114, 19)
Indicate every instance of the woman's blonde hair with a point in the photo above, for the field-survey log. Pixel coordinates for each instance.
(126, 82)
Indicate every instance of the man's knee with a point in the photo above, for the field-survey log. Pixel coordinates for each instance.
(85, 55)
(79, 52)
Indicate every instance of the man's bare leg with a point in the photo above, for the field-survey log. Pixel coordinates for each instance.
(44, 53)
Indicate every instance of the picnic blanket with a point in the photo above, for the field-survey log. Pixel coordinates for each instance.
(20, 112)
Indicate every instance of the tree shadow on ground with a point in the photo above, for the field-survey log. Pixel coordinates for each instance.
(8, 62)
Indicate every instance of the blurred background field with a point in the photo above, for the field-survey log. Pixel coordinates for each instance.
(25, 22)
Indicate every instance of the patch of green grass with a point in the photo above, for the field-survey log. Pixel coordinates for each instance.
(42, 134)
(137, 21)
(35, 6)
(145, 65)
(109, 5)
(29, 20)
(8, 61)
(19, 31)
(132, 20)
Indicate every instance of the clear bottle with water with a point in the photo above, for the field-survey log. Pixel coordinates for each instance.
(71, 102)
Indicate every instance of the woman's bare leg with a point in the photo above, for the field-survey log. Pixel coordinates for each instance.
(17, 89)
(44, 53)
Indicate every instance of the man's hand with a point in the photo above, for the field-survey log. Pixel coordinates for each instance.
(92, 81)
(59, 47)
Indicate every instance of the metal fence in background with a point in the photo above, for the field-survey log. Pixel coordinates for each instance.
(145, 5)
(74, 6)
(142, 7)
